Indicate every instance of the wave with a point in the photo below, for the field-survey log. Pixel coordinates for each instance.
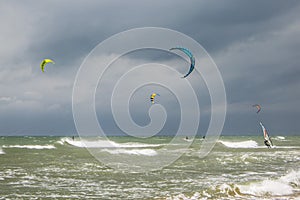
(75, 143)
(281, 188)
(1, 151)
(30, 146)
(278, 138)
(285, 185)
(144, 152)
(104, 144)
(196, 195)
(243, 144)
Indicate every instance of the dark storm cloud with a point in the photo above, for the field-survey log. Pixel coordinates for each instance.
(216, 25)
(254, 43)
(71, 29)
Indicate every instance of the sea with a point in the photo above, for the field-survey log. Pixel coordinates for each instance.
(238, 167)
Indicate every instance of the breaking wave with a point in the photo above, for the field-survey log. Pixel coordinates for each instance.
(129, 148)
(104, 144)
(1, 151)
(144, 152)
(243, 144)
(279, 138)
(30, 146)
(285, 185)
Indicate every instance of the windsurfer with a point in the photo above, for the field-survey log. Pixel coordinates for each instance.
(267, 143)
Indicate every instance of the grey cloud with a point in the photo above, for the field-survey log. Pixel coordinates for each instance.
(254, 43)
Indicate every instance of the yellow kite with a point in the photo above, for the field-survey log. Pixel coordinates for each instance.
(45, 61)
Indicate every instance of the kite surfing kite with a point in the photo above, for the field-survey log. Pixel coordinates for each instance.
(258, 107)
(268, 141)
(190, 55)
(152, 96)
(44, 62)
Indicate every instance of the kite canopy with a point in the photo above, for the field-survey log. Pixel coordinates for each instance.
(190, 55)
(258, 107)
(152, 96)
(44, 62)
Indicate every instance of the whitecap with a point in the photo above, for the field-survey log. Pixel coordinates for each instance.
(181, 196)
(104, 144)
(279, 138)
(144, 152)
(30, 146)
(242, 144)
(281, 186)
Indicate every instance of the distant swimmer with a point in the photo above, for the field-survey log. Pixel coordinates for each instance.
(73, 138)
(186, 137)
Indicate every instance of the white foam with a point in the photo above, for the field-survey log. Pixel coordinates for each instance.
(1, 151)
(181, 196)
(104, 144)
(286, 147)
(188, 140)
(136, 145)
(76, 143)
(243, 144)
(267, 187)
(230, 190)
(30, 146)
(248, 157)
(281, 186)
(293, 177)
(280, 137)
(145, 152)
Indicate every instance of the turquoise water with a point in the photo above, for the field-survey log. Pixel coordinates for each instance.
(237, 168)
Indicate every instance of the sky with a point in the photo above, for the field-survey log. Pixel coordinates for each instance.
(254, 43)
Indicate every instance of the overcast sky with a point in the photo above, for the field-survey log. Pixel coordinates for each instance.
(254, 43)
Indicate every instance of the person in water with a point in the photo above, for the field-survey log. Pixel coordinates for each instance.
(267, 143)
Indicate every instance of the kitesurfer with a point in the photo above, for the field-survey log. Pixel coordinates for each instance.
(152, 96)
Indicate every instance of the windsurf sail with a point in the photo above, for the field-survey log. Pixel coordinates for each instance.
(268, 141)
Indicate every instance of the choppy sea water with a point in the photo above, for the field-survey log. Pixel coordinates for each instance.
(237, 168)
